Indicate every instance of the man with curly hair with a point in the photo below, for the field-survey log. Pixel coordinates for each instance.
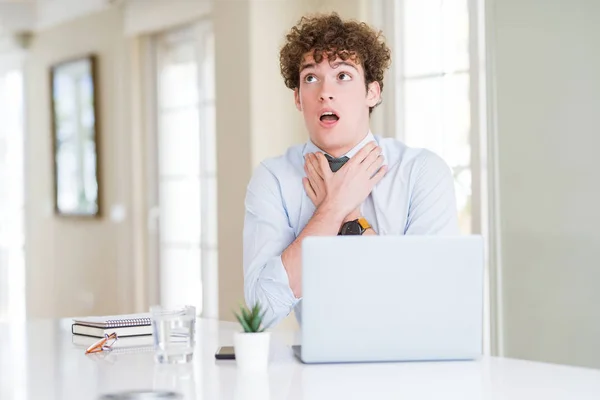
(344, 180)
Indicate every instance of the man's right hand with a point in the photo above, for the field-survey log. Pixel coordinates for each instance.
(347, 188)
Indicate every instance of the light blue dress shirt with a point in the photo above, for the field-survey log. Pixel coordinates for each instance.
(415, 197)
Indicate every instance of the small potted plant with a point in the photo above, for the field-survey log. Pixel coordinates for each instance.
(252, 344)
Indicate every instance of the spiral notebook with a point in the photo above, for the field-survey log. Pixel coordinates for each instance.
(124, 325)
(115, 321)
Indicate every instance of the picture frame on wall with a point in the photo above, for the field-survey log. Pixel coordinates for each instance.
(75, 133)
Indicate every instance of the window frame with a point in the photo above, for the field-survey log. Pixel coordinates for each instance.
(197, 31)
(387, 16)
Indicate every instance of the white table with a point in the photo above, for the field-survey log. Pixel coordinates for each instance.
(38, 360)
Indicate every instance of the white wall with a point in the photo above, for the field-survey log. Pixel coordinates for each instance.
(276, 123)
(77, 266)
(548, 102)
(234, 143)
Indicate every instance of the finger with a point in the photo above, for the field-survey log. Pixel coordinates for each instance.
(379, 175)
(311, 171)
(363, 153)
(315, 181)
(313, 178)
(313, 159)
(308, 189)
(307, 170)
(323, 165)
(372, 157)
(375, 165)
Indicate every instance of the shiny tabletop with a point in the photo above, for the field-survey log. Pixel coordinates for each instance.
(39, 360)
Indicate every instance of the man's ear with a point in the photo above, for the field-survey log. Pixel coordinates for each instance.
(297, 99)
(373, 94)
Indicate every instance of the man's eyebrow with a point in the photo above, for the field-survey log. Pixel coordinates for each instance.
(347, 64)
(308, 65)
(333, 65)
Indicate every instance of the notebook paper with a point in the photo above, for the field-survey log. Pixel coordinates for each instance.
(114, 321)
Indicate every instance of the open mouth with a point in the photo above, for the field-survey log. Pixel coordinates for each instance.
(329, 117)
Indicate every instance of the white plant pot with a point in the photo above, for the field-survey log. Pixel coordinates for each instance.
(252, 350)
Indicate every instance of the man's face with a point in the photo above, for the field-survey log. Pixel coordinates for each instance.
(335, 103)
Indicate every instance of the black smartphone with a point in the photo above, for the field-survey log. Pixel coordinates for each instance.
(225, 353)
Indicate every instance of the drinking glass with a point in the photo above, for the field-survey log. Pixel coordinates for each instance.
(173, 331)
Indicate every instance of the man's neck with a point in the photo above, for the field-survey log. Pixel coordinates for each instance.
(341, 151)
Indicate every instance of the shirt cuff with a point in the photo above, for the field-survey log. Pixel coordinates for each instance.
(275, 272)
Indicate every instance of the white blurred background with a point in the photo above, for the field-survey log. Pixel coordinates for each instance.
(190, 100)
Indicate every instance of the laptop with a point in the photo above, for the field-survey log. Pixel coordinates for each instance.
(391, 298)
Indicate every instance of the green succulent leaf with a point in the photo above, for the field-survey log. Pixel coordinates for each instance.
(251, 318)
(246, 315)
(255, 324)
(254, 312)
(243, 323)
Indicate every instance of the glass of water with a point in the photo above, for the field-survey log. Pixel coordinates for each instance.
(173, 331)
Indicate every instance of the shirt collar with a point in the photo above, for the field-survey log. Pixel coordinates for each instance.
(311, 147)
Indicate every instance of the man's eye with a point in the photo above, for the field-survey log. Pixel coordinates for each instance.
(344, 76)
(310, 78)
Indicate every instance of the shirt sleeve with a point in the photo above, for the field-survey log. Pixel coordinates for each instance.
(267, 233)
(432, 209)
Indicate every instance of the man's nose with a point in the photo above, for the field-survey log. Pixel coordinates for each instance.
(326, 91)
(326, 96)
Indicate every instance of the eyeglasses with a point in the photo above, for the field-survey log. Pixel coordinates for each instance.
(104, 344)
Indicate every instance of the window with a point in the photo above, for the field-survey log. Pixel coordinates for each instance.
(12, 238)
(438, 97)
(435, 78)
(12, 213)
(434, 99)
(186, 166)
